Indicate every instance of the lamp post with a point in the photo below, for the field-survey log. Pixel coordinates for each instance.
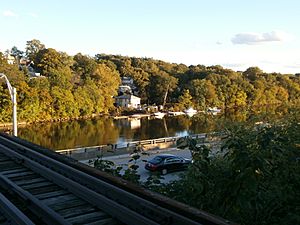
(13, 95)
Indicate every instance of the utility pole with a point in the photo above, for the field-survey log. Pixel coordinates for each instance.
(13, 95)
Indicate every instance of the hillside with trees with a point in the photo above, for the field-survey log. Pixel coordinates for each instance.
(81, 85)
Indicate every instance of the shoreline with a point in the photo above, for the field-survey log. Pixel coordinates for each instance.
(9, 125)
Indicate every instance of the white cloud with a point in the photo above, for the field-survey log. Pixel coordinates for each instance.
(9, 13)
(258, 38)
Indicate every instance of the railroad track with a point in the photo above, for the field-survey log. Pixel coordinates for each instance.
(40, 187)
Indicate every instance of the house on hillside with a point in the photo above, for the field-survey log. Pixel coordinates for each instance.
(10, 59)
(127, 81)
(124, 89)
(128, 101)
(26, 63)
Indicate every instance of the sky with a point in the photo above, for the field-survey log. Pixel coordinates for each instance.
(232, 33)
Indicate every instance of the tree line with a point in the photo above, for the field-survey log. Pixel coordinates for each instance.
(81, 85)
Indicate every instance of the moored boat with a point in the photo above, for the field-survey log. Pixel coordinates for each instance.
(190, 111)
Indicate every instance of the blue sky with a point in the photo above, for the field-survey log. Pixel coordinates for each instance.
(233, 33)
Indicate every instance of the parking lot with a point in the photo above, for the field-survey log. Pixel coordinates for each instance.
(123, 160)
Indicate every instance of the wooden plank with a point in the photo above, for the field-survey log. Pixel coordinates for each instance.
(24, 174)
(51, 194)
(36, 185)
(68, 204)
(7, 162)
(108, 221)
(15, 171)
(5, 159)
(45, 189)
(37, 181)
(88, 218)
(2, 155)
(9, 166)
(65, 200)
(77, 210)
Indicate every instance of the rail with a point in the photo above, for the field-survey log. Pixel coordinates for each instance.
(11, 214)
(132, 144)
(27, 169)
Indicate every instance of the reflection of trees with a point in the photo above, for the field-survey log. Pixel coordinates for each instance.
(204, 123)
(124, 126)
(165, 127)
(152, 129)
(105, 130)
(240, 115)
(72, 133)
(180, 123)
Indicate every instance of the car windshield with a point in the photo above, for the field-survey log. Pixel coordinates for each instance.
(156, 160)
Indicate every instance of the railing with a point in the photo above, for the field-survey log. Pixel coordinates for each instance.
(129, 145)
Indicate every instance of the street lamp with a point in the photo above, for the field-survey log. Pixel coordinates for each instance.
(13, 95)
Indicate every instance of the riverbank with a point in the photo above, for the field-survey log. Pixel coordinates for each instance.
(133, 116)
(9, 124)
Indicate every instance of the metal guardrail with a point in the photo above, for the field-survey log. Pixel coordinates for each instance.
(114, 147)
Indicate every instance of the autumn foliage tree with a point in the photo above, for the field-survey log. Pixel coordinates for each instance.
(91, 82)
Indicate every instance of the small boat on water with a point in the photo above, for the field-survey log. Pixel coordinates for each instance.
(175, 113)
(213, 110)
(138, 116)
(159, 114)
(190, 111)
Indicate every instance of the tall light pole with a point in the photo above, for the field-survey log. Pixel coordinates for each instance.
(13, 95)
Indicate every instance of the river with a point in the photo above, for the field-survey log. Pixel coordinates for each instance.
(106, 130)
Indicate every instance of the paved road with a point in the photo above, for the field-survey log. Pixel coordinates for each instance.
(123, 160)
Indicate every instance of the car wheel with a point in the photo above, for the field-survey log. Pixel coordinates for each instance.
(164, 171)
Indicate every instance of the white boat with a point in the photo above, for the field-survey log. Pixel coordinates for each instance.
(190, 111)
(175, 113)
(159, 114)
(213, 110)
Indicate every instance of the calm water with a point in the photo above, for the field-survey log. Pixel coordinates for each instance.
(106, 130)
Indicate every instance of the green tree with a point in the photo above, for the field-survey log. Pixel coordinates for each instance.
(204, 93)
(61, 77)
(234, 96)
(252, 73)
(185, 100)
(63, 104)
(107, 81)
(160, 84)
(84, 102)
(32, 49)
(49, 59)
(42, 87)
(84, 66)
(16, 53)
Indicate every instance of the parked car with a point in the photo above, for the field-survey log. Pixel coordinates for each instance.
(166, 163)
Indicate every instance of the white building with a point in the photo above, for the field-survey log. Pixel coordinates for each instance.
(128, 101)
(125, 89)
(10, 59)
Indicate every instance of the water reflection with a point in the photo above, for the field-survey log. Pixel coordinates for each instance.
(105, 130)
